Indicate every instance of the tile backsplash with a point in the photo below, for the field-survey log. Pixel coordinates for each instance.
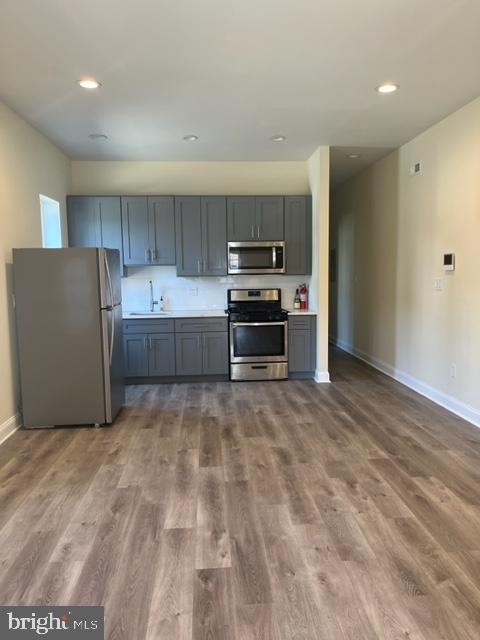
(181, 293)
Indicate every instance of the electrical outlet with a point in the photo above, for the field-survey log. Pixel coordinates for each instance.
(438, 284)
(193, 291)
(453, 370)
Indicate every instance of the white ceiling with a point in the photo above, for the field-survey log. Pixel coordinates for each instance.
(236, 73)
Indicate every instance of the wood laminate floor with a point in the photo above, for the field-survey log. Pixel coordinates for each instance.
(253, 511)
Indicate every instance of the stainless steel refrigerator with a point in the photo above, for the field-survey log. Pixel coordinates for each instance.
(69, 329)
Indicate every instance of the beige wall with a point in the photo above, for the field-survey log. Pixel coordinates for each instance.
(390, 231)
(29, 165)
(188, 178)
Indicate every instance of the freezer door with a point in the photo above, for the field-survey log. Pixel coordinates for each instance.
(109, 277)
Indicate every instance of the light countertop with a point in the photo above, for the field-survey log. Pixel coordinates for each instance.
(200, 313)
(301, 312)
(189, 313)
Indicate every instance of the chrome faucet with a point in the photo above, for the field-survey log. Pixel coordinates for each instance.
(152, 301)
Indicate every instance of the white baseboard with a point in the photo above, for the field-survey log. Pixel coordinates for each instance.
(446, 401)
(8, 427)
(321, 376)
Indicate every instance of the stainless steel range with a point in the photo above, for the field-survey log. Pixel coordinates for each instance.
(258, 328)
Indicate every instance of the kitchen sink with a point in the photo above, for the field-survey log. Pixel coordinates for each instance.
(149, 313)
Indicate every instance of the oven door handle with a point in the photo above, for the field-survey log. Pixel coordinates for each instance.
(274, 258)
(258, 324)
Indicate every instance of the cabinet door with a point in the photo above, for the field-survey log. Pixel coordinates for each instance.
(135, 354)
(136, 246)
(161, 212)
(215, 353)
(83, 222)
(188, 354)
(110, 214)
(188, 231)
(300, 350)
(214, 236)
(269, 218)
(161, 354)
(241, 218)
(298, 235)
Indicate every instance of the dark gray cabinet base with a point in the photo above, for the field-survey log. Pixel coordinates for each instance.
(302, 346)
(181, 350)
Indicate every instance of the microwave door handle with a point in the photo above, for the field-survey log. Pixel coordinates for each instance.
(274, 258)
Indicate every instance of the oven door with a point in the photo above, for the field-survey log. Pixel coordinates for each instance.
(256, 257)
(258, 342)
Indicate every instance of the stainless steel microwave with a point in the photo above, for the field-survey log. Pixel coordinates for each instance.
(256, 257)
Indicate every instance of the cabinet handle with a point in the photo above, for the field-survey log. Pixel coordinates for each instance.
(153, 254)
(253, 232)
(150, 343)
(146, 255)
(198, 266)
(198, 341)
(258, 231)
(145, 343)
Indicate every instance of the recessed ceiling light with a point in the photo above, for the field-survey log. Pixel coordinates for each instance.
(98, 136)
(89, 83)
(353, 156)
(387, 87)
(278, 138)
(191, 137)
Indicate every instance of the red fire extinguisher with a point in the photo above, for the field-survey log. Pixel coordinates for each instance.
(303, 296)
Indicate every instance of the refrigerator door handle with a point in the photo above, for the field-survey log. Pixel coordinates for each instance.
(110, 307)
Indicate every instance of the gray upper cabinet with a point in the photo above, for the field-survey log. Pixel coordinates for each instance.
(148, 230)
(136, 245)
(95, 221)
(83, 222)
(188, 231)
(269, 218)
(161, 225)
(298, 234)
(241, 218)
(201, 236)
(255, 219)
(214, 236)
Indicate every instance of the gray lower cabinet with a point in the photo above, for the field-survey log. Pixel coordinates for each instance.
(135, 355)
(298, 235)
(201, 236)
(302, 345)
(149, 354)
(188, 354)
(215, 353)
(201, 353)
(95, 221)
(161, 354)
(184, 347)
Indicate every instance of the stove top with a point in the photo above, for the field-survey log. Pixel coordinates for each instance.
(256, 305)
